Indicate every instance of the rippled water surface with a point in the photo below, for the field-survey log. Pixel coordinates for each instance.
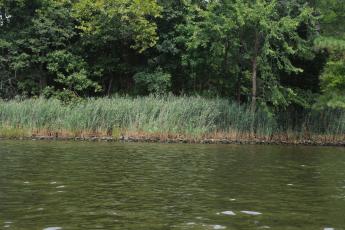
(67, 185)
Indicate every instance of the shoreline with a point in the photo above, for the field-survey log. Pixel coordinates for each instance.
(143, 139)
(170, 119)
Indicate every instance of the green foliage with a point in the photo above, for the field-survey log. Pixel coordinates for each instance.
(333, 85)
(66, 96)
(333, 78)
(6, 132)
(34, 30)
(193, 116)
(70, 71)
(332, 14)
(244, 50)
(111, 20)
(157, 82)
(228, 36)
(177, 115)
(332, 40)
(331, 44)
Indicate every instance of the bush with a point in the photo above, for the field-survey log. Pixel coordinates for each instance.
(157, 83)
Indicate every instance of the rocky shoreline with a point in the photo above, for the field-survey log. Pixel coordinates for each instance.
(129, 139)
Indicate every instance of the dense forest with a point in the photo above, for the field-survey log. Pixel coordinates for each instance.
(275, 54)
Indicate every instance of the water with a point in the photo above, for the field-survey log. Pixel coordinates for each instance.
(60, 186)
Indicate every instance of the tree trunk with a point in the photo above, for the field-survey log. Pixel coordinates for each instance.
(3, 16)
(239, 84)
(239, 75)
(110, 86)
(42, 78)
(254, 81)
(225, 58)
(254, 71)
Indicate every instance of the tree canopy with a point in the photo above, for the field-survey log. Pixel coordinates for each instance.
(270, 53)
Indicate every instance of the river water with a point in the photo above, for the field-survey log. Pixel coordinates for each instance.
(77, 185)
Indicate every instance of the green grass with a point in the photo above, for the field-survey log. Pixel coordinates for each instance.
(10, 133)
(189, 116)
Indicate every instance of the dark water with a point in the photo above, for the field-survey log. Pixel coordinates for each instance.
(76, 186)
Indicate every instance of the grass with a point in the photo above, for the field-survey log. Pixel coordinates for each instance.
(167, 117)
(6, 132)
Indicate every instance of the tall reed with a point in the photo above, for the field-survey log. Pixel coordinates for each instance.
(192, 116)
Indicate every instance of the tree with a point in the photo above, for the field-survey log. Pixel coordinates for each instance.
(157, 83)
(70, 71)
(166, 54)
(114, 33)
(256, 37)
(332, 40)
(252, 51)
(34, 30)
(15, 17)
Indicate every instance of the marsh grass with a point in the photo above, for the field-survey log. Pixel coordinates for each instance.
(164, 117)
(6, 132)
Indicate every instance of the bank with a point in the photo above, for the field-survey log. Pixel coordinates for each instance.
(170, 139)
(168, 119)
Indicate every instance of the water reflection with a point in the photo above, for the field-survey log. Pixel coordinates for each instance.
(252, 213)
(229, 213)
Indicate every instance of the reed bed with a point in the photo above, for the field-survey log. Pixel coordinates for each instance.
(192, 117)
